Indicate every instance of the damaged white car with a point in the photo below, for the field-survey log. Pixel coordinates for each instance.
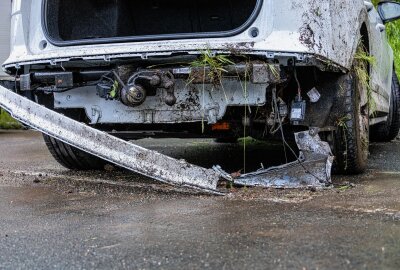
(203, 68)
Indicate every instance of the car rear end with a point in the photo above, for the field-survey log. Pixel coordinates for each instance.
(177, 68)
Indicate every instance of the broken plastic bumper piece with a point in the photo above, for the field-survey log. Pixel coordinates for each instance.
(312, 169)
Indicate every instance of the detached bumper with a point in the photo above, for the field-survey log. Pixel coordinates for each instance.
(312, 169)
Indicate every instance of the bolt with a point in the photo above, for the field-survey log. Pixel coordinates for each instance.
(155, 80)
(170, 100)
(168, 84)
(314, 131)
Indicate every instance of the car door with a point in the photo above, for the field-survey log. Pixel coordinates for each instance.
(381, 72)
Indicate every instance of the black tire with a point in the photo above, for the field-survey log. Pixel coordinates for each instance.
(71, 157)
(351, 139)
(388, 131)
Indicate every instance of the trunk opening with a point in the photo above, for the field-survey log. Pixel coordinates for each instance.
(69, 21)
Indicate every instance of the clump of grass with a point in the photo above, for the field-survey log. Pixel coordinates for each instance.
(214, 63)
(7, 122)
(341, 124)
(345, 187)
(114, 89)
(245, 121)
(212, 67)
(363, 56)
(362, 63)
(273, 70)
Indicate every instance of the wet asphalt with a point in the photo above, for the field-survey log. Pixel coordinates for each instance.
(53, 218)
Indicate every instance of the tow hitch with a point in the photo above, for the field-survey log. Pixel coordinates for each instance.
(312, 169)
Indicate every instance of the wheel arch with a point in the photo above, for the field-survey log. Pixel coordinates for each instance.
(364, 35)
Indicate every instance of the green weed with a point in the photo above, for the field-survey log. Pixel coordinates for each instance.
(7, 122)
(114, 90)
(212, 66)
(214, 63)
(363, 62)
(273, 69)
(341, 124)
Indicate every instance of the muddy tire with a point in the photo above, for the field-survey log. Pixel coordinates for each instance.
(351, 139)
(71, 157)
(388, 131)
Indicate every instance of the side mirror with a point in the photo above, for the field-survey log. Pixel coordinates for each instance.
(389, 11)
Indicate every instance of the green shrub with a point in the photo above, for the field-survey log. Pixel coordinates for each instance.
(393, 34)
(7, 122)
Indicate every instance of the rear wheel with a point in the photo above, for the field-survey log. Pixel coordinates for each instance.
(351, 139)
(65, 154)
(388, 130)
(71, 157)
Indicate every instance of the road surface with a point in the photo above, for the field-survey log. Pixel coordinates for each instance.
(53, 218)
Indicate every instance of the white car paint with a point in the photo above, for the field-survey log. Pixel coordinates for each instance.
(5, 19)
(325, 29)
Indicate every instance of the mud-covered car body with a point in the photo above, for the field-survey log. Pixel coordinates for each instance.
(329, 29)
(314, 33)
(221, 69)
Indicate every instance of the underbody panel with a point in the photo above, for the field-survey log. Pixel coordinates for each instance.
(194, 103)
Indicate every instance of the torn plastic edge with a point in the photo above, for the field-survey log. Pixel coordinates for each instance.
(312, 169)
